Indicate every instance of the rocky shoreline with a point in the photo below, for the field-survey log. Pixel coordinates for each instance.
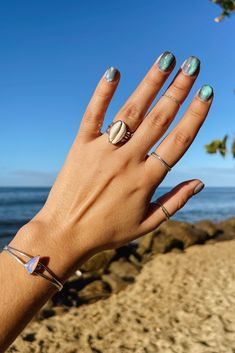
(111, 272)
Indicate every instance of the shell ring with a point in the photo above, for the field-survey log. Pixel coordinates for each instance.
(118, 131)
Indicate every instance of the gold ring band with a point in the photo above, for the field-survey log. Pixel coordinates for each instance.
(172, 98)
(164, 210)
(166, 165)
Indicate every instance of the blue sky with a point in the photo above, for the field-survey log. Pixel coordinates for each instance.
(54, 52)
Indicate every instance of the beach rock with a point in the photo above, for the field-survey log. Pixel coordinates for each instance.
(209, 227)
(123, 269)
(94, 291)
(30, 337)
(46, 313)
(115, 282)
(98, 263)
(72, 278)
(136, 262)
(60, 310)
(127, 251)
(175, 234)
(163, 243)
(227, 229)
(145, 243)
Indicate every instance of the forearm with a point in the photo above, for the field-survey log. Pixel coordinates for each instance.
(22, 294)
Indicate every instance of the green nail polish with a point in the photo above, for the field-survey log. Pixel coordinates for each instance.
(205, 92)
(111, 74)
(198, 188)
(191, 66)
(166, 60)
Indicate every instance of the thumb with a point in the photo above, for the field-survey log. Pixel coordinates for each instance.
(169, 204)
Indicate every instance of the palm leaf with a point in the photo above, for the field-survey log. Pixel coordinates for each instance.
(233, 148)
(217, 146)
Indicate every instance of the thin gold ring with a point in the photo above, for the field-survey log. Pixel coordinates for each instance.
(164, 210)
(172, 98)
(164, 163)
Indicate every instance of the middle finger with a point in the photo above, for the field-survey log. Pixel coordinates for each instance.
(135, 108)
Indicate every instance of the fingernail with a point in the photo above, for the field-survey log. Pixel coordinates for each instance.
(198, 188)
(205, 93)
(166, 60)
(191, 66)
(111, 74)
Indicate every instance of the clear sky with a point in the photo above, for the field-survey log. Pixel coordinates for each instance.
(54, 52)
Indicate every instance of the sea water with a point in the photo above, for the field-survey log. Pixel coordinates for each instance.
(19, 205)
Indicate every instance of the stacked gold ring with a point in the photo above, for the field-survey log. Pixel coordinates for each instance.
(166, 165)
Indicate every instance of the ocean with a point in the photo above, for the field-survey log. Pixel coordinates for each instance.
(19, 205)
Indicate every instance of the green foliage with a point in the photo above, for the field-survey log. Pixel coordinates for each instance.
(220, 146)
(233, 148)
(217, 146)
(228, 6)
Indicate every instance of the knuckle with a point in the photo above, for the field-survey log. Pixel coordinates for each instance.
(159, 120)
(179, 85)
(92, 116)
(103, 93)
(132, 111)
(182, 138)
(195, 113)
(181, 202)
(152, 82)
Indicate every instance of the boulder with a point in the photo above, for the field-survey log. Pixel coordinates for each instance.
(124, 270)
(98, 263)
(175, 234)
(209, 227)
(145, 243)
(136, 262)
(226, 229)
(163, 243)
(94, 291)
(115, 282)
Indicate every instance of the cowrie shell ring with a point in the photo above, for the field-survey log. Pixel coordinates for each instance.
(118, 131)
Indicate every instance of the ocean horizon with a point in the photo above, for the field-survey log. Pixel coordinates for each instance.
(19, 204)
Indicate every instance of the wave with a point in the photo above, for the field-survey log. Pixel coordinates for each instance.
(29, 202)
(13, 222)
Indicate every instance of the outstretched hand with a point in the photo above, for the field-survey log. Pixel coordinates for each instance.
(101, 198)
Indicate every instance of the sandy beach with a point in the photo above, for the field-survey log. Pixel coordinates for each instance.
(181, 301)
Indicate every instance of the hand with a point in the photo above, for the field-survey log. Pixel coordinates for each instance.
(101, 198)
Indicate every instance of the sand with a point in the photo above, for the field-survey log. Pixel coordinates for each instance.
(180, 302)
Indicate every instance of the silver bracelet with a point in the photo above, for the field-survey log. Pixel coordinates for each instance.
(33, 265)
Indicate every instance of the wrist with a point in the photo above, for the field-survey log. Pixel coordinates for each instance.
(54, 247)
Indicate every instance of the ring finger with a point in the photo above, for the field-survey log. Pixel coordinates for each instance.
(180, 138)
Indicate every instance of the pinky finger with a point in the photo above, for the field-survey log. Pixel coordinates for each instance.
(171, 202)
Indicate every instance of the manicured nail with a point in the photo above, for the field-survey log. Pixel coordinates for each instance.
(111, 74)
(191, 66)
(165, 61)
(198, 188)
(205, 93)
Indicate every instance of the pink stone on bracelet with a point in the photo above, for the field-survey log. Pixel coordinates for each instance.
(33, 265)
